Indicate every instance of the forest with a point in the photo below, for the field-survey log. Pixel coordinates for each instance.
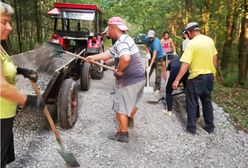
(226, 21)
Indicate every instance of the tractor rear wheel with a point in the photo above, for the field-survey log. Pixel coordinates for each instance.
(67, 104)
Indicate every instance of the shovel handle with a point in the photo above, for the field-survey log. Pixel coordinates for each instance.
(47, 114)
(91, 61)
(147, 74)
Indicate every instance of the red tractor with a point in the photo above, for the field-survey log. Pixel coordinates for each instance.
(78, 27)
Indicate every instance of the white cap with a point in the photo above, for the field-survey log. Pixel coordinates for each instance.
(192, 26)
(151, 33)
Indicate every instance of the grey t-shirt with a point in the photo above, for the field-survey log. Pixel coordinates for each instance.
(134, 72)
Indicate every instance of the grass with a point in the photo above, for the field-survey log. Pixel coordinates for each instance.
(234, 100)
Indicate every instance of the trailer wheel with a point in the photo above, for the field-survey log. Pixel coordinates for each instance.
(85, 77)
(97, 71)
(67, 104)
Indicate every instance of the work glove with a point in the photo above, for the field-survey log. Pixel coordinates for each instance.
(34, 102)
(148, 69)
(28, 73)
(148, 55)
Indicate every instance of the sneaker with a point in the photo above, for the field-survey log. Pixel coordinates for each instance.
(168, 113)
(156, 92)
(119, 136)
(130, 122)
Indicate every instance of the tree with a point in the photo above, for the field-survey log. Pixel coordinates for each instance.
(38, 21)
(243, 46)
(18, 23)
(232, 15)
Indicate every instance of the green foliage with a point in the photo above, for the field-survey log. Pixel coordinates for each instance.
(235, 101)
(231, 78)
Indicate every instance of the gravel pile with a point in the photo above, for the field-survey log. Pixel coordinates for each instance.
(28, 60)
(157, 140)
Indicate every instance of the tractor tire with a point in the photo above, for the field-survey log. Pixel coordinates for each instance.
(67, 104)
(85, 77)
(96, 71)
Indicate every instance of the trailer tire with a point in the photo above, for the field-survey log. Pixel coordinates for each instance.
(85, 77)
(67, 104)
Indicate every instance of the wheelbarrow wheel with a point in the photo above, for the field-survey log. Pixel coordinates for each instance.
(67, 104)
(85, 77)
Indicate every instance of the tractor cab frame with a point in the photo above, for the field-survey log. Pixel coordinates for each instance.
(78, 27)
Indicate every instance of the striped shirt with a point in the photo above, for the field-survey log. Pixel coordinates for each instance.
(134, 72)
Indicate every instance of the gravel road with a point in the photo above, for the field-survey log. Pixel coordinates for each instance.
(156, 141)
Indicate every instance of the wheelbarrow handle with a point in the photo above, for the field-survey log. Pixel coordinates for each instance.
(91, 61)
(48, 116)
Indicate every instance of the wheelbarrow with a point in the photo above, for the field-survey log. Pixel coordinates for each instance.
(55, 82)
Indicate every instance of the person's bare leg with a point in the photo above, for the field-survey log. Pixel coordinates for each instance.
(134, 111)
(118, 120)
(130, 119)
(123, 122)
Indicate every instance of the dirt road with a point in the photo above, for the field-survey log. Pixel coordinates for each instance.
(156, 141)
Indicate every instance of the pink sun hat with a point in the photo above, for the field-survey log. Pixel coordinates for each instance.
(119, 22)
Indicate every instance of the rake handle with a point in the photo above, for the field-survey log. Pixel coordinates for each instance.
(47, 114)
(91, 61)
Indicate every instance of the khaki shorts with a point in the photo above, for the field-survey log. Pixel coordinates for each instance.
(126, 98)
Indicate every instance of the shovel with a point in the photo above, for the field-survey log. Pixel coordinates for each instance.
(162, 98)
(148, 88)
(91, 61)
(66, 155)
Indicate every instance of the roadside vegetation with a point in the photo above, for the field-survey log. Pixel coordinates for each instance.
(234, 100)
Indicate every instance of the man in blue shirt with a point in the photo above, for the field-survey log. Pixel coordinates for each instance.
(153, 47)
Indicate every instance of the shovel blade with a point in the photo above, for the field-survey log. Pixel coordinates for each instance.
(148, 90)
(68, 158)
(155, 101)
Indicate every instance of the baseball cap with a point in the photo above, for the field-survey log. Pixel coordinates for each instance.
(151, 33)
(192, 26)
(119, 22)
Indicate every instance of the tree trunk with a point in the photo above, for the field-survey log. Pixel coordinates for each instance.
(189, 10)
(18, 26)
(206, 16)
(243, 46)
(38, 21)
(230, 21)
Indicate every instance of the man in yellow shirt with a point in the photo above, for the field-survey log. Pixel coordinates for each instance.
(200, 57)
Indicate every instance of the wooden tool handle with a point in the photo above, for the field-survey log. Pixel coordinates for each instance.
(147, 73)
(47, 114)
(91, 61)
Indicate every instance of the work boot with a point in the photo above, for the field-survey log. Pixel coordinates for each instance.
(191, 131)
(210, 130)
(119, 136)
(130, 122)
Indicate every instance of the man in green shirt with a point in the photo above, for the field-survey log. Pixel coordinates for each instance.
(200, 57)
